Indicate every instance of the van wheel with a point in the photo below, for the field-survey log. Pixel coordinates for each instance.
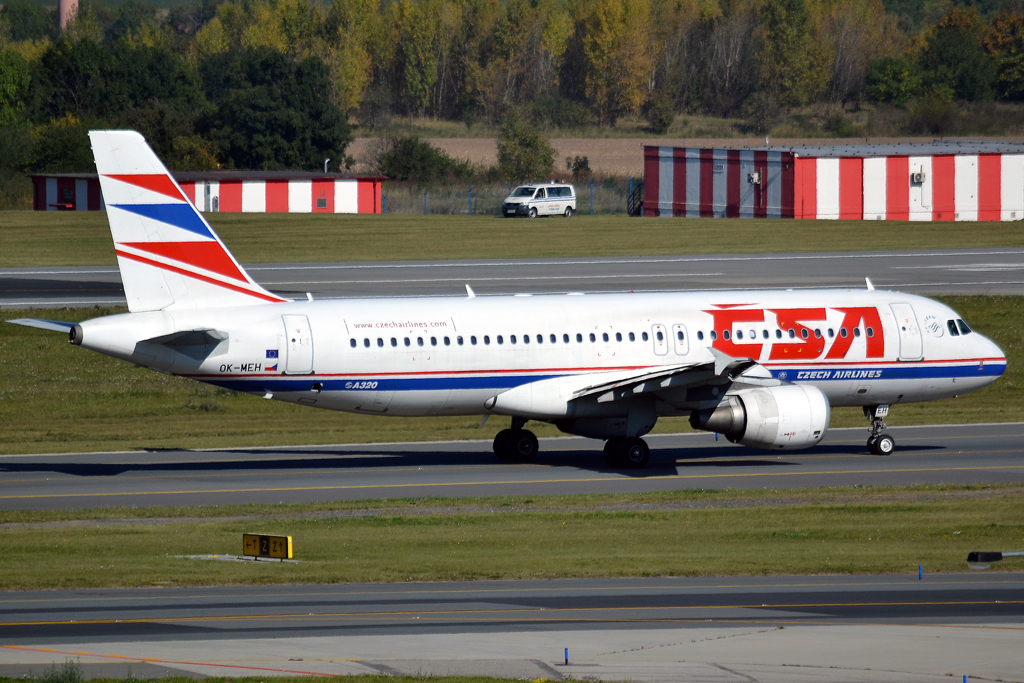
(568, 212)
(533, 212)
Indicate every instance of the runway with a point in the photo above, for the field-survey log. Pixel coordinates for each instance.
(933, 272)
(936, 454)
(761, 629)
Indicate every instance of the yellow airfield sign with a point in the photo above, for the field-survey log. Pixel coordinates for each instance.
(261, 545)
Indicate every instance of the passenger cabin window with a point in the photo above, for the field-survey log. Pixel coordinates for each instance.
(394, 342)
(592, 337)
(831, 333)
(725, 335)
(804, 333)
(643, 335)
(511, 338)
(540, 338)
(579, 337)
(352, 343)
(739, 334)
(366, 343)
(714, 335)
(792, 334)
(433, 341)
(501, 340)
(856, 332)
(632, 337)
(419, 341)
(871, 332)
(618, 336)
(380, 342)
(408, 342)
(660, 336)
(447, 341)
(700, 335)
(487, 340)
(842, 332)
(565, 338)
(764, 333)
(458, 340)
(778, 334)
(604, 337)
(472, 339)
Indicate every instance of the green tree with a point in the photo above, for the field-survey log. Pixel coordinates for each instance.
(274, 113)
(953, 61)
(410, 158)
(794, 64)
(14, 82)
(523, 153)
(61, 146)
(895, 80)
(27, 20)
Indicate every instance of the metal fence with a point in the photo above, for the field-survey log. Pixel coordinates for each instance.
(609, 196)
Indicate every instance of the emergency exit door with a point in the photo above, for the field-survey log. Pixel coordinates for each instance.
(299, 342)
(911, 345)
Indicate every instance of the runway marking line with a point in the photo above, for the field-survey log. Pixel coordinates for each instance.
(521, 610)
(470, 591)
(620, 479)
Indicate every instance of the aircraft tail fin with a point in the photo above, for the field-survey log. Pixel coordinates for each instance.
(168, 254)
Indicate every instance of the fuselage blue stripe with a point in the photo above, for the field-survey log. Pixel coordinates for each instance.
(278, 383)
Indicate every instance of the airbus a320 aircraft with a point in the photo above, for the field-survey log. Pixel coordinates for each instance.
(762, 367)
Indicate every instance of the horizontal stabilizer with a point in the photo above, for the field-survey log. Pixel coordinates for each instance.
(52, 325)
(197, 344)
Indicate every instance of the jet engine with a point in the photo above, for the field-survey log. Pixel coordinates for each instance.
(786, 417)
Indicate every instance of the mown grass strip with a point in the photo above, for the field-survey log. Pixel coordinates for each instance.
(852, 536)
(59, 398)
(29, 238)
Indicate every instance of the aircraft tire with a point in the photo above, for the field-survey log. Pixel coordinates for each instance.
(611, 451)
(884, 445)
(522, 445)
(502, 448)
(634, 453)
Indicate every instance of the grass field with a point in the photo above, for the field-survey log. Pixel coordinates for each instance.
(57, 398)
(680, 533)
(29, 238)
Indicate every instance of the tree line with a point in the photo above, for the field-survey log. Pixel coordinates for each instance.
(271, 84)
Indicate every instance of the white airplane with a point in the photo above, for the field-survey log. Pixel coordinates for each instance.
(761, 367)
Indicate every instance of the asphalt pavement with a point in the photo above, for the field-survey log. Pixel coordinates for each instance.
(767, 629)
(930, 272)
(932, 454)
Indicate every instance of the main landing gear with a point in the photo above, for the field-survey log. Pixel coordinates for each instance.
(879, 443)
(516, 444)
(629, 452)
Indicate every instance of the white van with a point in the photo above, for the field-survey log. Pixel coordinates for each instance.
(548, 199)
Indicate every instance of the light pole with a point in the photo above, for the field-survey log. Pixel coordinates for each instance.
(985, 559)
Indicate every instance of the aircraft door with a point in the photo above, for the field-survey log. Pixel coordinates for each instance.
(911, 345)
(681, 341)
(660, 337)
(299, 342)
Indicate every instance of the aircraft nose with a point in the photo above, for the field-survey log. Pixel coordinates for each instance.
(994, 357)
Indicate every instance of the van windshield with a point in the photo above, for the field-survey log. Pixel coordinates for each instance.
(523, 192)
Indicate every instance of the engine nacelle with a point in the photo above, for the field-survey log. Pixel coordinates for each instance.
(787, 417)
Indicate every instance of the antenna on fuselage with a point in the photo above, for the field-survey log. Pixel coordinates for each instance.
(871, 287)
(470, 293)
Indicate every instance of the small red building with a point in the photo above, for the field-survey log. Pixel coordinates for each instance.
(228, 192)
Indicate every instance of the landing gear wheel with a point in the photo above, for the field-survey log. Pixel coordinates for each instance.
(634, 453)
(611, 451)
(501, 445)
(532, 213)
(883, 444)
(522, 444)
(568, 212)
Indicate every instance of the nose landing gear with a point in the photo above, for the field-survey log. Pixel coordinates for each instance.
(879, 443)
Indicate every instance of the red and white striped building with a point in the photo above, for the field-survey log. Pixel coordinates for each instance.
(229, 192)
(937, 181)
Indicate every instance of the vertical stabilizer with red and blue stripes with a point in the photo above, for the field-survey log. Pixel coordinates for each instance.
(168, 255)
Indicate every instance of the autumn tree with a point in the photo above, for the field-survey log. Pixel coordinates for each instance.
(1004, 41)
(618, 58)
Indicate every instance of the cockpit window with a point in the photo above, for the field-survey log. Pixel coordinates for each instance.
(951, 326)
(963, 326)
(523, 191)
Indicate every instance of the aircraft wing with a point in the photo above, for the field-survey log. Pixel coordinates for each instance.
(52, 325)
(558, 397)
